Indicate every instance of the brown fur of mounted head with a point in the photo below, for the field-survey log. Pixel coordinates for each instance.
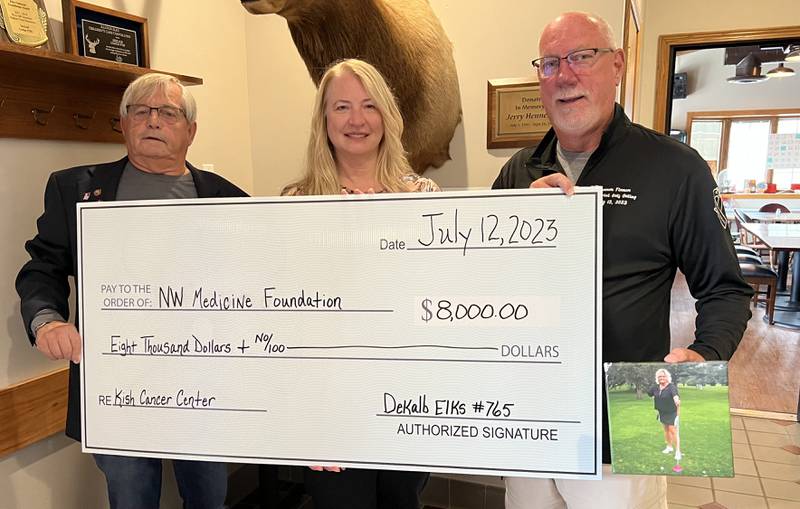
(404, 40)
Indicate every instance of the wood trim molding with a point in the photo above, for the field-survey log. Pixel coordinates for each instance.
(669, 43)
(728, 116)
(33, 410)
(726, 136)
(629, 86)
(765, 414)
(719, 115)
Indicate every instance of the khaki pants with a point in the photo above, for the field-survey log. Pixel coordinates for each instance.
(613, 492)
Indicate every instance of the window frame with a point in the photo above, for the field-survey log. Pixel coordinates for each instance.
(727, 118)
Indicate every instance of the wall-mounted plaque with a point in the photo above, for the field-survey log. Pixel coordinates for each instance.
(105, 34)
(25, 22)
(516, 116)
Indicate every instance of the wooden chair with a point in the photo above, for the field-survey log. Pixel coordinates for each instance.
(757, 275)
(745, 250)
(753, 259)
(774, 207)
(780, 258)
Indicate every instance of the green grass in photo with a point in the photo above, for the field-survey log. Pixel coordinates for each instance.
(637, 437)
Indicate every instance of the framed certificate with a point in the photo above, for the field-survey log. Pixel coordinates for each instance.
(105, 34)
(515, 116)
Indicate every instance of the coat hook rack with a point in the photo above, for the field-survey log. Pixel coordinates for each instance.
(36, 112)
(79, 119)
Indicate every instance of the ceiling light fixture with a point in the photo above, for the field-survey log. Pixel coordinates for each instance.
(780, 72)
(748, 70)
(793, 53)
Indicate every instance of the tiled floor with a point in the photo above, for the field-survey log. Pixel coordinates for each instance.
(767, 464)
(766, 461)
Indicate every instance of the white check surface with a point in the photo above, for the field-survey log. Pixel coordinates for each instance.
(446, 332)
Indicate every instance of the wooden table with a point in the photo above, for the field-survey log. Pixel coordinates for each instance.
(783, 237)
(782, 257)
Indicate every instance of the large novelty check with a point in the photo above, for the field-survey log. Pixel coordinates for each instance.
(446, 332)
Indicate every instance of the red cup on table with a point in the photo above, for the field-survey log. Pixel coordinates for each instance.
(772, 188)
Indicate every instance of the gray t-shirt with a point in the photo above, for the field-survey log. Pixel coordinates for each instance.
(572, 162)
(135, 184)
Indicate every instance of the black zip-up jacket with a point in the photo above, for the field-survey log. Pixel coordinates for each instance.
(662, 211)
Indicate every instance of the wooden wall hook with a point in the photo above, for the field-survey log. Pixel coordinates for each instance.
(79, 118)
(37, 115)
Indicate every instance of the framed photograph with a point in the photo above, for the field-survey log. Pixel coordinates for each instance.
(515, 116)
(669, 419)
(25, 23)
(105, 34)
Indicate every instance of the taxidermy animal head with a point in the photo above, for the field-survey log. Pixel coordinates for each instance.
(404, 40)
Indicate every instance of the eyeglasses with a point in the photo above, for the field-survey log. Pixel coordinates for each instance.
(580, 60)
(168, 114)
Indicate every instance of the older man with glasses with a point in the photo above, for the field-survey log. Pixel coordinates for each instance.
(660, 215)
(158, 123)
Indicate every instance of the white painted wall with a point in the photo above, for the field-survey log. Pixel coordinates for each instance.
(254, 114)
(490, 40)
(202, 38)
(255, 88)
(681, 16)
(708, 89)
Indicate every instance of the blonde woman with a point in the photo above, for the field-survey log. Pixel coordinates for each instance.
(355, 148)
(355, 144)
(668, 404)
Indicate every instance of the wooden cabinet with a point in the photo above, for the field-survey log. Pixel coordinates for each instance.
(56, 96)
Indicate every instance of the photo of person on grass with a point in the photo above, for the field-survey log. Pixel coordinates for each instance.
(668, 404)
(692, 437)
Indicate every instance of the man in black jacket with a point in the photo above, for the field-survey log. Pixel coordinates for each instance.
(662, 212)
(158, 122)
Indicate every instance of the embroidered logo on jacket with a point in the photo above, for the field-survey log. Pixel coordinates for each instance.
(618, 196)
(719, 209)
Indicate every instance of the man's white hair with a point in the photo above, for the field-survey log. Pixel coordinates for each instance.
(602, 25)
(148, 84)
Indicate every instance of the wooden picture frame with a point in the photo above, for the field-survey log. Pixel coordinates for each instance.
(30, 26)
(97, 32)
(515, 115)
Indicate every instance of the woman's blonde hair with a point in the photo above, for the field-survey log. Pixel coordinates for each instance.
(666, 373)
(320, 175)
